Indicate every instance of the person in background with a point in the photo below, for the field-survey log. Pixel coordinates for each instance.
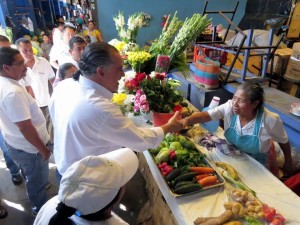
(41, 74)
(77, 46)
(66, 70)
(87, 39)
(57, 33)
(94, 33)
(100, 184)
(46, 46)
(35, 46)
(79, 31)
(249, 126)
(102, 127)
(13, 168)
(60, 51)
(24, 127)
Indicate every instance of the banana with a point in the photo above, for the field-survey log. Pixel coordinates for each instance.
(230, 170)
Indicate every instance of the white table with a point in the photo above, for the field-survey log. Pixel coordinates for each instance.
(269, 189)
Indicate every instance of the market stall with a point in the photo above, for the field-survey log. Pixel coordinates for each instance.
(186, 209)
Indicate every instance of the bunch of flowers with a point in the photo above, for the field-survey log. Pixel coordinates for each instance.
(137, 59)
(176, 36)
(134, 23)
(153, 92)
(125, 101)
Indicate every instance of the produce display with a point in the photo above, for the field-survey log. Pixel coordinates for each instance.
(184, 168)
(244, 208)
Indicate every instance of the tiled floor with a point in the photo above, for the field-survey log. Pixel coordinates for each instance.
(19, 211)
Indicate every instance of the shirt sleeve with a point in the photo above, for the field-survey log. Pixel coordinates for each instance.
(50, 71)
(275, 128)
(16, 107)
(126, 133)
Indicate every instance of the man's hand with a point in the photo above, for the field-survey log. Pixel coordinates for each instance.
(174, 124)
(31, 135)
(45, 154)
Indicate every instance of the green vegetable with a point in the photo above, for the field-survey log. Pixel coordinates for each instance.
(171, 176)
(181, 152)
(187, 188)
(170, 137)
(181, 183)
(162, 156)
(238, 184)
(154, 151)
(186, 176)
(175, 145)
(186, 143)
(252, 221)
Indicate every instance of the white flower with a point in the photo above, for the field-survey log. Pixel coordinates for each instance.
(129, 75)
(152, 74)
(129, 99)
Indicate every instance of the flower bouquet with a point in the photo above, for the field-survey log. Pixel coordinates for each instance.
(137, 59)
(134, 23)
(183, 34)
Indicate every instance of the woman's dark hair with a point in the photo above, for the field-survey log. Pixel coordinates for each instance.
(63, 69)
(63, 212)
(97, 54)
(253, 91)
(7, 56)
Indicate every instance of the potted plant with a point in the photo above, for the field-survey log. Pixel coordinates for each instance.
(153, 93)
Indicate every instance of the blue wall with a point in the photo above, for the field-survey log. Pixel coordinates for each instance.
(157, 8)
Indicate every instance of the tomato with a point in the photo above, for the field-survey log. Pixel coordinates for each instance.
(269, 216)
(276, 221)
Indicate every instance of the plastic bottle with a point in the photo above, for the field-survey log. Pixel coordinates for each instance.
(211, 126)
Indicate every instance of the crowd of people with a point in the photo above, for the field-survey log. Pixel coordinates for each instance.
(90, 138)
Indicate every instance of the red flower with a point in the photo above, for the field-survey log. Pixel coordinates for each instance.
(140, 76)
(160, 76)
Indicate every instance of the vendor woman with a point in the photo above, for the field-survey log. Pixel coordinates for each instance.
(248, 125)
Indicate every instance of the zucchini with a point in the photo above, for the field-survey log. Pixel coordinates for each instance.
(171, 176)
(186, 176)
(180, 183)
(187, 188)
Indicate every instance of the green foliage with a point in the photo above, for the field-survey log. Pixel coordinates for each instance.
(7, 32)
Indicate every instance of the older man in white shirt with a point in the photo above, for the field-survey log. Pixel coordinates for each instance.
(86, 121)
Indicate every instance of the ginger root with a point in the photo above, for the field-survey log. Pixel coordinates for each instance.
(220, 220)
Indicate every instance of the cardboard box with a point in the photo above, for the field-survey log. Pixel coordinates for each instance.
(281, 59)
(294, 28)
(293, 70)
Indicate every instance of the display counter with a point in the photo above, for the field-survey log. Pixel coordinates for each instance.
(184, 210)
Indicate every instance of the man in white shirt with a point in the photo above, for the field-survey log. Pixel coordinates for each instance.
(60, 51)
(24, 127)
(77, 45)
(40, 73)
(87, 122)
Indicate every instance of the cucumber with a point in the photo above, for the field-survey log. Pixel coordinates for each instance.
(187, 188)
(171, 176)
(181, 183)
(186, 176)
